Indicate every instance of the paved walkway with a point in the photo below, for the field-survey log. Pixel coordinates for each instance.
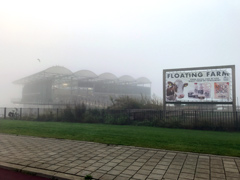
(68, 159)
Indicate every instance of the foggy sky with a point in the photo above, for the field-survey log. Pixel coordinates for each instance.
(134, 37)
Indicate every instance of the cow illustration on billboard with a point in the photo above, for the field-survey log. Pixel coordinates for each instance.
(175, 90)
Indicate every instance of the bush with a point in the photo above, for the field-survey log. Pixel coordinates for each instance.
(126, 102)
(68, 115)
(47, 115)
(94, 116)
(143, 123)
(118, 119)
(80, 111)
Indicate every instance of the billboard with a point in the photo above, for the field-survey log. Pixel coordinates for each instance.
(198, 85)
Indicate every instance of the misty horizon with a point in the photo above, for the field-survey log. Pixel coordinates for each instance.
(136, 38)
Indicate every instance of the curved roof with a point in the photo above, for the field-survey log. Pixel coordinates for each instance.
(58, 70)
(55, 71)
(143, 80)
(126, 78)
(107, 76)
(85, 74)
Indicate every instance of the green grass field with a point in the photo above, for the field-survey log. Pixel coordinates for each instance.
(209, 142)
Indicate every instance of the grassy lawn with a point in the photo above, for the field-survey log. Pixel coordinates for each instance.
(209, 142)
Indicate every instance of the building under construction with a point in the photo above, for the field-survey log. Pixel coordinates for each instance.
(58, 86)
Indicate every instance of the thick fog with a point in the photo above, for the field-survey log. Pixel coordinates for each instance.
(136, 38)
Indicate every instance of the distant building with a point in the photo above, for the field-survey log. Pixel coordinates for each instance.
(58, 86)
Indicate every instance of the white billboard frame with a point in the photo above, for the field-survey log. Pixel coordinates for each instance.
(233, 85)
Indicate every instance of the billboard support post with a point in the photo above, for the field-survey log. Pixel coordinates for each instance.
(234, 89)
(234, 94)
(164, 91)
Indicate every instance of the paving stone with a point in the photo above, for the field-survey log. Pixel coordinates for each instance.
(120, 168)
(232, 170)
(213, 178)
(198, 178)
(173, 171)
(164, 163)
(53, 167)
(147, 167)
(232, 178)
(90, 168)
(161, 167)
(62, 169)
(189, 167)
(106, 168)
(108, 177)
(151, 164)
(186, 170)
(203, 166)
(217, 175)
(121, 178)
(201, 175)
(68, 176)
(159, 171)
(204, 171)
(235, 175)
(71, 165)
(129, 172)
(98, 164)
(186, 176)
(124, 164)
(43, 166)
(114, 172)
(144, 172)
(134, 168)
(213, 170)
(230, 166)
(73, 171)
(175, 167)
(84, 173)
(126, 175)
(75, 159)
(137, 164)
(140, 176)
(112, 164)
(155, 176)
(180, 178)
(171, 176)
(97, 175)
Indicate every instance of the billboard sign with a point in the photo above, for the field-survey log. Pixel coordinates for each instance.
(211, 84)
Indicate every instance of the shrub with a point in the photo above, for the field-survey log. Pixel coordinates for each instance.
(46, 117)
(126, 102)
(68, 115)
(94, 116)
(79, 110)
(118, 119)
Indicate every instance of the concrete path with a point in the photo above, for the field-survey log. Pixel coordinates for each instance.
(68, 159)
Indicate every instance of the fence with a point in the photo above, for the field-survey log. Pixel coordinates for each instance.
(192, 119)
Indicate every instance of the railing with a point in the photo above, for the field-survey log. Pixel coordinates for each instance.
(192, 119)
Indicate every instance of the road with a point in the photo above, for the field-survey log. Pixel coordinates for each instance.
(13, 175)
